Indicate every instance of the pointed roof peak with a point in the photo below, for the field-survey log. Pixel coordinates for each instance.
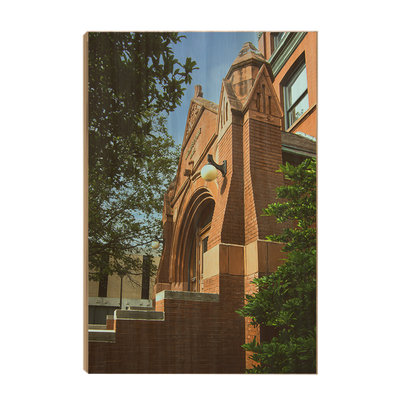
(249, 56)
(249, 47)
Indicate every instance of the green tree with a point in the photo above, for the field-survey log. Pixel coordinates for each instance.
(134, 81)
(130, 74)
(123, 218)
(286, 299)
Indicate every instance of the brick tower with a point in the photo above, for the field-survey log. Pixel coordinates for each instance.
(244, 130)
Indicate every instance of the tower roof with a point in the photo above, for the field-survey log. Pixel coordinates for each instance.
(247, 51)
(249, 55)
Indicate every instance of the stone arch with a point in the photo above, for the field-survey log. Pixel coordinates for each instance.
(201, 201)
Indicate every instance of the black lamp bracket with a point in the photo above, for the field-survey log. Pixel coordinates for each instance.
(221, 167)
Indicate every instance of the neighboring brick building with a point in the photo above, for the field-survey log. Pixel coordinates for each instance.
(214, 235)
(293, 60)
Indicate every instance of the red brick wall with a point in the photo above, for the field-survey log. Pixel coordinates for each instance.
(253, 152)
(110, 324)
(211, 285)
(232, 148)
(308, 46)
(262, 156)
(228, 220)
(233, 325)
(195, 337)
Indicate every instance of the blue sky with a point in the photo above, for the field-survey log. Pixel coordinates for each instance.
(214, 53)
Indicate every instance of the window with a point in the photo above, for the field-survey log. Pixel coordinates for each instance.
(146, 278)
(296, 95)
(205, 246)
(276, 39)
(103, 282)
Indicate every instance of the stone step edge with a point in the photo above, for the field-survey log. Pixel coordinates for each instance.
(140, 315)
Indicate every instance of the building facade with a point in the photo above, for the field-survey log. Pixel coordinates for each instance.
(293, 60)
(105, 295)
(214, 234)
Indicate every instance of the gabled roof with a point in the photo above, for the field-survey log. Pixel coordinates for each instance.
(234, 102)
(196, 108)
(207, 104)
(264, 77)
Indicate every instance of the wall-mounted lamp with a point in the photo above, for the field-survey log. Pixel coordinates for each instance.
(210, 171)
(156, 243)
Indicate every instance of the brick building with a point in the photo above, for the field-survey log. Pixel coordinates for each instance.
(214, 235)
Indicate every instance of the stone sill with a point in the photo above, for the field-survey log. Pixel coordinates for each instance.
(303, 116)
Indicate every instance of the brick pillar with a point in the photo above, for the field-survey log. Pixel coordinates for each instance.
(228, 220)
(262, 155)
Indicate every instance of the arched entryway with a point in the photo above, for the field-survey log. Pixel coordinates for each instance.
(198, 246)
(192, 240)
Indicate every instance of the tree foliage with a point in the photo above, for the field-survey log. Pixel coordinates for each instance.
(130, 74)
(300, 206)
(134, 81)
(286, 299)
(123, 217)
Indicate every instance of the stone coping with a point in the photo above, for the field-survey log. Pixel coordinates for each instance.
(187, 296)
(139, 315)
(97, 326)
(96, 335)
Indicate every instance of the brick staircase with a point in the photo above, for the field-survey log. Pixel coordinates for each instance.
(100, 333)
